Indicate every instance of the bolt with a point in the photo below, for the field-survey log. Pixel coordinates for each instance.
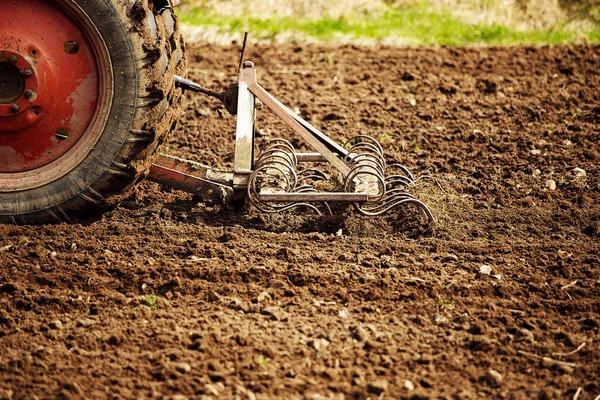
(12, 59)
(71, 47)
(248, 64)
(27, 73)
(29, 94)
(62, 134)
(15, 108)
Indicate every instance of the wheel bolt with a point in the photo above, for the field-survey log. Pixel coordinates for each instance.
(71, 47)
(27, 73)
(62, 134)
(12, 59)
(29, 94)
(15, 108)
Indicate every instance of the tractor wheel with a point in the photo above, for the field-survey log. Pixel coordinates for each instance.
(87, 96)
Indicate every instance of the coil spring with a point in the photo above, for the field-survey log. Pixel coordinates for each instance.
(398, 181)
(367, 167)
(275, 172)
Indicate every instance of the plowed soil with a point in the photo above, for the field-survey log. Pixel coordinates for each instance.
(250, 305)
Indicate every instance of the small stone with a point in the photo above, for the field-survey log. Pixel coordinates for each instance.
(579, 173)
(485, 270)
(344, 314)
(318, 344)
(213, 296)
(386, 261)
(339, 233)
(481, 343)
(537, 173)
(550, 184)
(493, 377)
(563, 254)
(536, 152)
(276, 313)
(263, 296)
(56, 324)
(361, 334)
(377, 387)
(183, 368)
(525, 335)
(409, 385)
(371, 345)
(450, 258)
(85, 322)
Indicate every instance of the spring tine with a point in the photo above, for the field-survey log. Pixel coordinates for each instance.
(314, 174)
(393, 180)
(403, 169)
(387, 206)
(365, 138)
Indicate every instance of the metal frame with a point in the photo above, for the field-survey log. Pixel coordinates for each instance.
(196, 178)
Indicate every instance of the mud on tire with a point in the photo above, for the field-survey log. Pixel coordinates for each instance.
(146, 50)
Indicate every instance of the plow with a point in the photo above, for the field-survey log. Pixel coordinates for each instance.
(92, 91)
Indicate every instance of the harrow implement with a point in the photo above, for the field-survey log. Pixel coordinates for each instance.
(280, 178)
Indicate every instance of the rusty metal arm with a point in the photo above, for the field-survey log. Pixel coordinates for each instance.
(327, 147)
(192, 177)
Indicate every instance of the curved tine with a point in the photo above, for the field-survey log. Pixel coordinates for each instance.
(357, 169)
(396, 192)
(367, 160)
(275, 164)
(282, 145)
(279, 142)
(373, 207)
(311, 178)
(310, 189)
(274, 160)
(398, 179)
(357, 158)
(314, 172)
(277, 153)
(355, 152)
(402, 168)
(294, 205)
(364, 170)
(367, 147)
(380, 184)
(304, 189)
(365, 138)
(416, 202)
(264, 170)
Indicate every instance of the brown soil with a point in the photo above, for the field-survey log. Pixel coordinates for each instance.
(252, 305)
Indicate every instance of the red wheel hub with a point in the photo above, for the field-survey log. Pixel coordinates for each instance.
(49, 85)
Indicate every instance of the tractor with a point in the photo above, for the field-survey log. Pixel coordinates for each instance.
(90, 90)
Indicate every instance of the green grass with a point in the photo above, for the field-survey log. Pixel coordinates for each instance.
(150, 300)
(413, 25)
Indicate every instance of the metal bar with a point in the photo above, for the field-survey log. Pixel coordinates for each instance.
(314, 197)
(316, 139)
(186, 84)
(208, 190)
(182, 165)
(310, 157)
(244, 136)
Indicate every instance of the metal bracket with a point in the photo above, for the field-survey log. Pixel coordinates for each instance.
(192, 177)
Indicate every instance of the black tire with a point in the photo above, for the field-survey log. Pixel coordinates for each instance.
(146, 50)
